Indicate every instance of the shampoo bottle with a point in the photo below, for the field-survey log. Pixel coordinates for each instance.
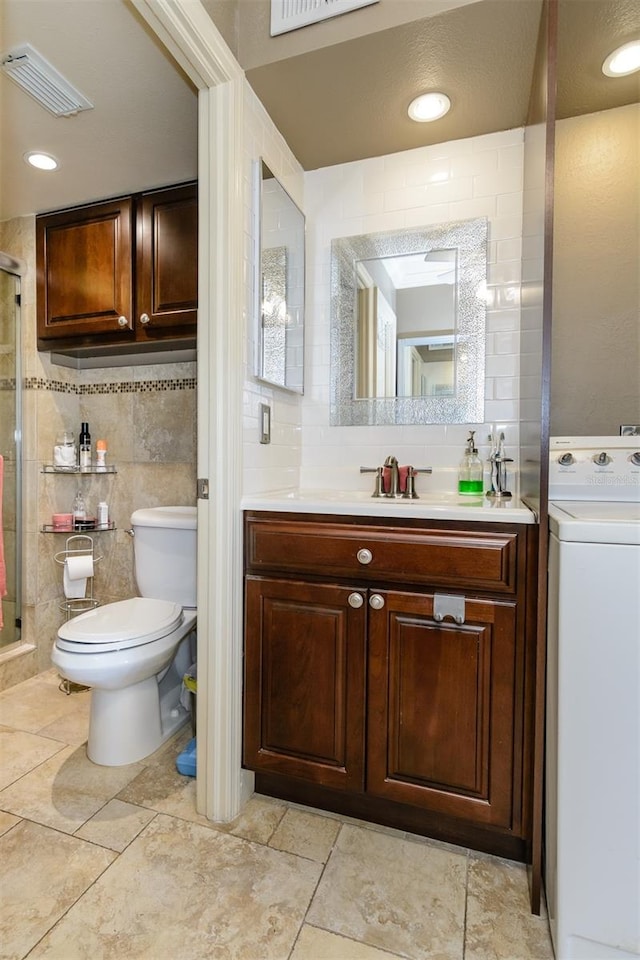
(470, 472)
(85, 447)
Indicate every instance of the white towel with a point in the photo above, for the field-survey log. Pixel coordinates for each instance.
(77, 570)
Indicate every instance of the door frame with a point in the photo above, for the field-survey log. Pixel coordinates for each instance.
(186, 29)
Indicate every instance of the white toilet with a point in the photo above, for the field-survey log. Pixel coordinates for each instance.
(134, 653)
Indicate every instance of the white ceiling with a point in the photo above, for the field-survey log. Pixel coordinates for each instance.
(142, 131)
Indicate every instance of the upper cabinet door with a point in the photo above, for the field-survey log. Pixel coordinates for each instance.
(167, 263)
(85, 284)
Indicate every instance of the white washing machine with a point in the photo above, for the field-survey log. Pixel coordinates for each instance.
(592, 835)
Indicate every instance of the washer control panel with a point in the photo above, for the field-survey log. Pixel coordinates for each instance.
(594, 468)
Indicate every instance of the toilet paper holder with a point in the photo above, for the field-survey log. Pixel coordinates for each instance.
(76, 547)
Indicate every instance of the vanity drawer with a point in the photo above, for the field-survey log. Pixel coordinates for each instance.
(433, 556)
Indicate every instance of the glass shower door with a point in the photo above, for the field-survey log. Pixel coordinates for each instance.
(10, 464)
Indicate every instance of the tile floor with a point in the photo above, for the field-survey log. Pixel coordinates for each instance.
(101, 863)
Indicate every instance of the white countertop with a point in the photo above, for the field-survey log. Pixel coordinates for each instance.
(434, 506)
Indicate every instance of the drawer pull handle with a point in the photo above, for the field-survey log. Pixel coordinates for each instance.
(123, 322)
(364, 556)
(445, 605)
(376, 601)
(144, 318)
(355, 600)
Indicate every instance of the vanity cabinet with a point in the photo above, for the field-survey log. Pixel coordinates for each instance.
(123, 271)
(359, 698)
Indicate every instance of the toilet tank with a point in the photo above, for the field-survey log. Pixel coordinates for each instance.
(164, 546)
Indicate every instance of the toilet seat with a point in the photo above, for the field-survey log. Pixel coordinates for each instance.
(120, 626)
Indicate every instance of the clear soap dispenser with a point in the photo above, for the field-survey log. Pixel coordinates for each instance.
(470, 472)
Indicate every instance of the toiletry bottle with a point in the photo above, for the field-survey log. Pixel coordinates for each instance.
(79, 508)
(85, 447)
(101, 455)
(470, 472)
(103, 514)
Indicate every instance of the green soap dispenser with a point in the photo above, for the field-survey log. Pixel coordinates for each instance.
(470, 472)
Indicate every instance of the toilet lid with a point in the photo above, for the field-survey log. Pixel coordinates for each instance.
(127, 623)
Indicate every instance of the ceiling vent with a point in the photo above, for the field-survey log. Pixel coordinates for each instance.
(29, 69)
(289, 15)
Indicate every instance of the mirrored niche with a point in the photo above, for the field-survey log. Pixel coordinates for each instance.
(408, 330)
(280, 279)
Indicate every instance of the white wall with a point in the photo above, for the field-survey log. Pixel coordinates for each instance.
(276, 465)
(481, 176)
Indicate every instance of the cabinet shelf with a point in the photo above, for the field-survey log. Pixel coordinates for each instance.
(77, 471)
(98, 528)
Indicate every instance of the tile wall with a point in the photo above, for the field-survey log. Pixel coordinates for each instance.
(147, 415)
(480, 176)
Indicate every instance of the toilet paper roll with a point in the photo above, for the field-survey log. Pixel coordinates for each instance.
(76, 572)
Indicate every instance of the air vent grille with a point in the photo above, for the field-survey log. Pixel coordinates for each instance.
(289, 15)
(29, 69)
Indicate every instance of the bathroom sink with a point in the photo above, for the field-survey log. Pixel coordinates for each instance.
(435, 504)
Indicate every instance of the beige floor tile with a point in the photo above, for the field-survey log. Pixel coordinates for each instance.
(116, 825)
(314, 944)
(43, 874)
(7, 820)
(20, 752)
(72, 727)
(394, 894)
(306, 835)
(36, 703)
(183, 892)
(162, 788)
(66, 790)
(500, 925)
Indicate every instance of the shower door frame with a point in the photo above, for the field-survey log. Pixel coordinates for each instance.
(16, 269)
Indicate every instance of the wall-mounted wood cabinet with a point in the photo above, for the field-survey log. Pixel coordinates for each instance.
(120, 272)
(359, 698)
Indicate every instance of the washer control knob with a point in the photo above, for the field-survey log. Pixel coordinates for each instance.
(602, 459)
(635, 458)
(566, 459)
(364, 556)
(355, 600)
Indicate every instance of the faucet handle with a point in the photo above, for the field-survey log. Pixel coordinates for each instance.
(410, 485)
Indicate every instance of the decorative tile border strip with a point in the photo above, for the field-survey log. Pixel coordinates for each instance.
(127, 386)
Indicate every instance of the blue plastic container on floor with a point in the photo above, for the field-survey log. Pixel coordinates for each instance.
(186, 761)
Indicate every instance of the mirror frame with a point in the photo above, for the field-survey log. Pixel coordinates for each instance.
(290, 264)
(469, 237)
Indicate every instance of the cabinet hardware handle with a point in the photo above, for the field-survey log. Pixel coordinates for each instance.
(376, 601)
(364, 556)
(123, 322)
(355, 600)
(145, 318)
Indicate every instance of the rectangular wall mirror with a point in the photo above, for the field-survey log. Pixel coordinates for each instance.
(279, 284)
(408, 325)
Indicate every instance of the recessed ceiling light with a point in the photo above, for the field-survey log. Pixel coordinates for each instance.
(43, 161)
(429, 106)
(623, 61)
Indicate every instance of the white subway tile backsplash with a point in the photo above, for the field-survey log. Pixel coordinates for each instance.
(459, 180)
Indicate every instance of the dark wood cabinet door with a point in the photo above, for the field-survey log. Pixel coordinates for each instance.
(167, 263)
(441, 707)
(84, 277)
(304, 698)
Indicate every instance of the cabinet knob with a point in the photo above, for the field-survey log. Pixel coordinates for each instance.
(355, 600)
(145, 318)
(364, 556)
(376, 601)
(123, 322)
